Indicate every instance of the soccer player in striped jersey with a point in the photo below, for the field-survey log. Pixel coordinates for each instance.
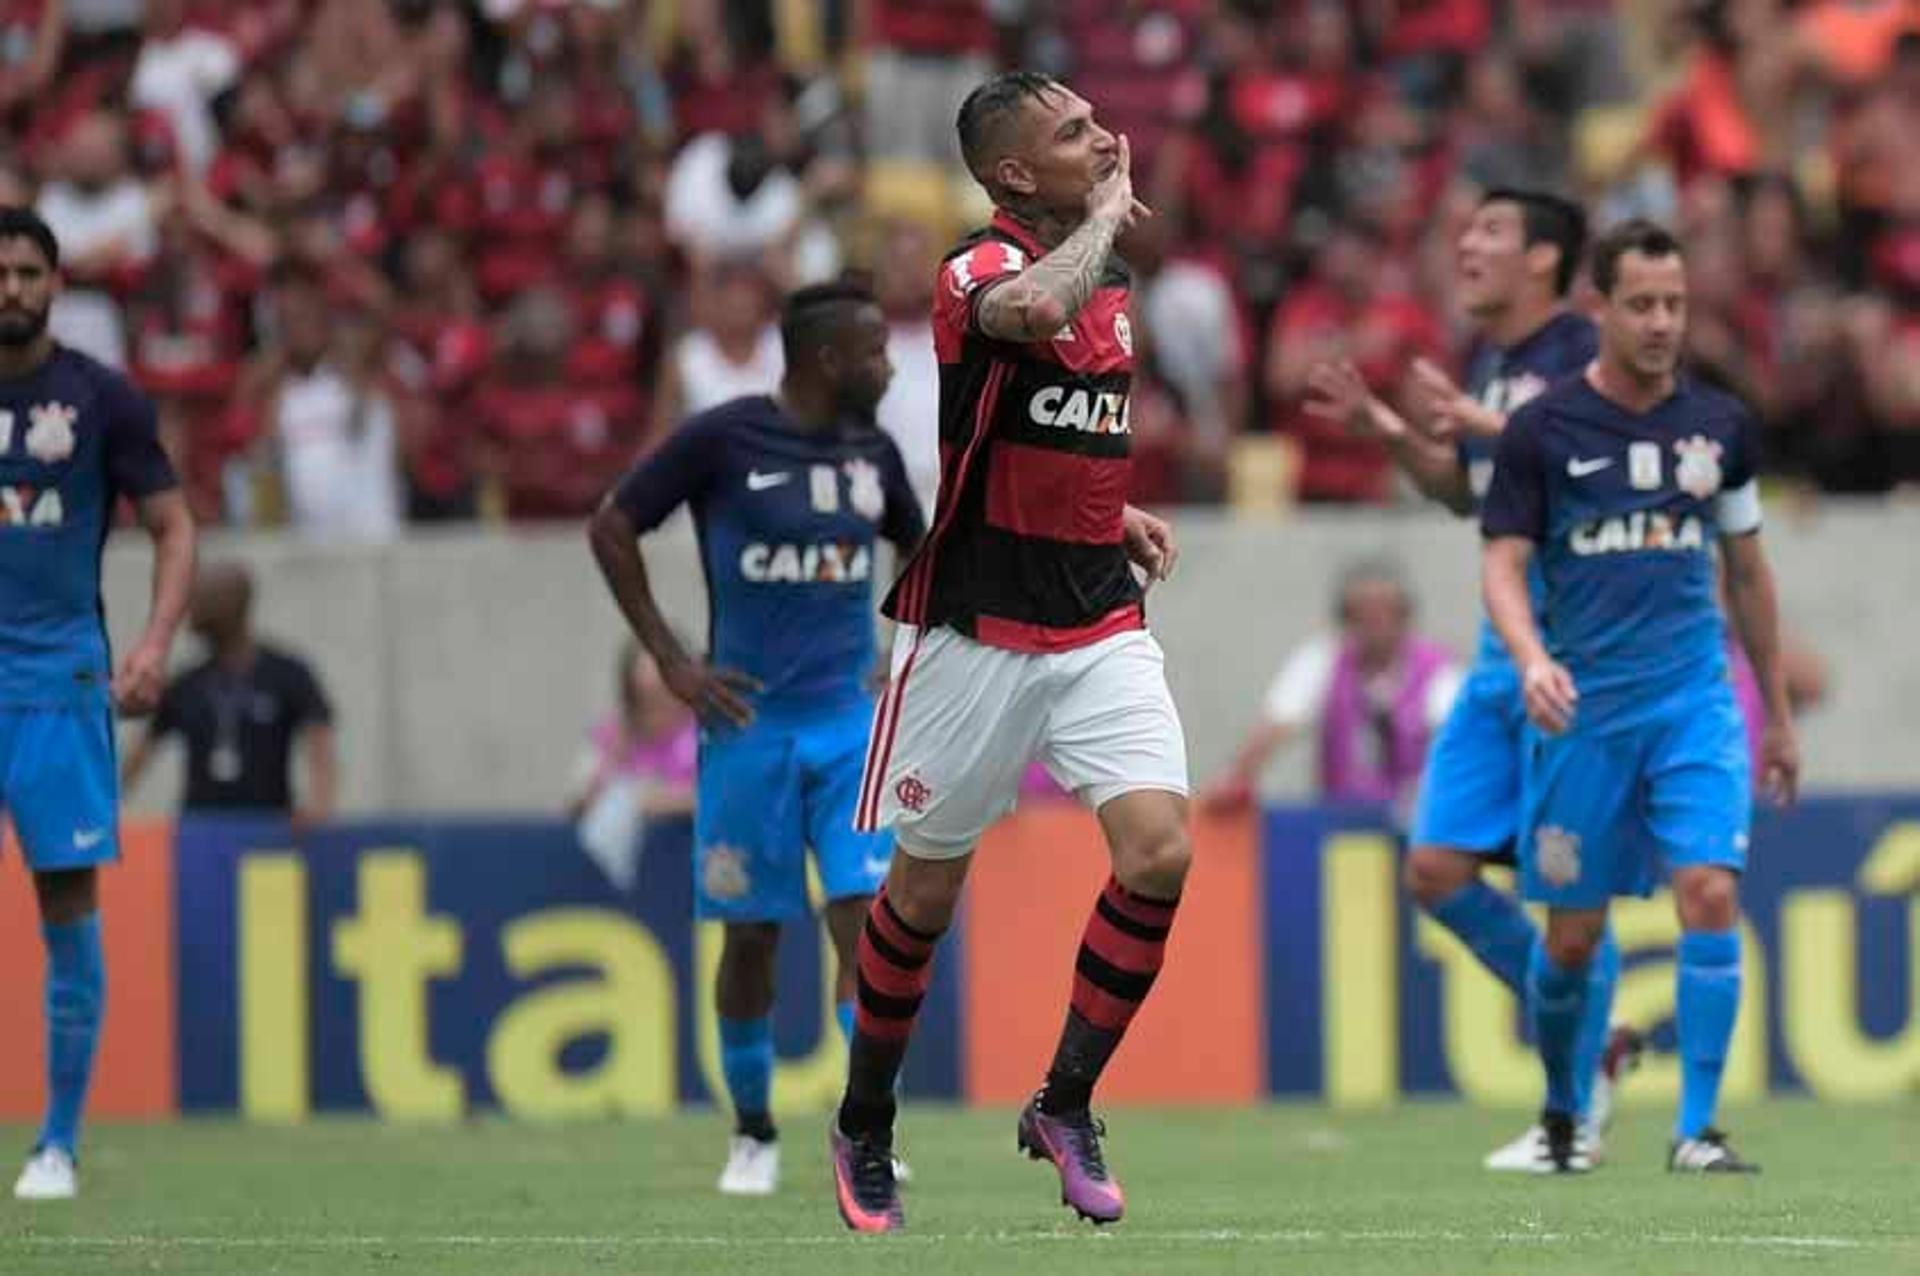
(1023, 632)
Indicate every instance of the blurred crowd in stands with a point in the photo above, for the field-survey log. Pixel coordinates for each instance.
(392, 261)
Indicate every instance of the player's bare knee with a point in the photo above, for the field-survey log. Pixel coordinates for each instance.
(1156, 864)
(1708, 899)
(1434, 874)
(925, 892)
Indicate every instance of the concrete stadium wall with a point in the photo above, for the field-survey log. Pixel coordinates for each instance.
(464, 666)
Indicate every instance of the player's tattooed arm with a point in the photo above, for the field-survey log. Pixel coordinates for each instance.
(1044, 298)
(1041, 300)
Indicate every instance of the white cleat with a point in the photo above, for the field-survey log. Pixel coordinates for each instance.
(1521, 1155)
(753, 1167)
(50, 1175)
(1529, 1153)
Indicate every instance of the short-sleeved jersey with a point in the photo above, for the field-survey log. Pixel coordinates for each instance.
(1505, 379)
(240, 729)
(786, 520)
(75, 436)
(1027, 546)
(1626, 510)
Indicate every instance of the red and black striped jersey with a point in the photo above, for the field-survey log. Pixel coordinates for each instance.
(1026, 550)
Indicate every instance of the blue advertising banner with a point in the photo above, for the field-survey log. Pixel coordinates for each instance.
(1368, 1001)
(424, 969)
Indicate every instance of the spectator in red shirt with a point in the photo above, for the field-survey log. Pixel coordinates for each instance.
(1346, 308)
(526, 186)
(1425, 44)
(441, 350)
(187, 323)
(714, 88)
(1228, 176)
(551, 443)
(259, 131)
(611, 310)
(597, 65)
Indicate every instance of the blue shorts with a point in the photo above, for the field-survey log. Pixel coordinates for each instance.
(767, 794)
(1610, 813)
(59, 782)
(1470, 794)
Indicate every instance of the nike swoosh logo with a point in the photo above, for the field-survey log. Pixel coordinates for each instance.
(1577, 468)
(87, 839)
(878, 867)
(758, 482)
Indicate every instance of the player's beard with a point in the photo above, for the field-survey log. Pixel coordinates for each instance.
(20, 326)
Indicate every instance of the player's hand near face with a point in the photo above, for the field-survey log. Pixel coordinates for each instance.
(711, 692)
(1443, 410)
(1150, 543)
(1337, 392)
(1550, 694)
(1780, 763)
(138, 681)
(1112, 196)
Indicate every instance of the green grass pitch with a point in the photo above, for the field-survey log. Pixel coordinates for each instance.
(1293, 1189)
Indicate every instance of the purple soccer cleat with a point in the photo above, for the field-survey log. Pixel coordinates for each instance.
(863, 1182)
(1072, 1143)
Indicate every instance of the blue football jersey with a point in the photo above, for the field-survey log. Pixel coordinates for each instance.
(1626, 510)
(75, 436)
(1505, 379)
(786, 519)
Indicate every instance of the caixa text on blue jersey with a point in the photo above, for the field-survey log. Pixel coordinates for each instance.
(1642, 529)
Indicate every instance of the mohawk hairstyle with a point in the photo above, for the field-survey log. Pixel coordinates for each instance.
(991, 108)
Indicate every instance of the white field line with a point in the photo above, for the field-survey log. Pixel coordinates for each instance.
(1124, 1236)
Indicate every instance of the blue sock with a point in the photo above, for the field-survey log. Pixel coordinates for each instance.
(843, 1011)
(1494, 925)
(1706, 1002)
(746, 1060)
(1557, 1001)
(76, 993)
(1602, 974)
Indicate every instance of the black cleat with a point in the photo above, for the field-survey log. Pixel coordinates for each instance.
(1707, 1153)
(1566, 1152)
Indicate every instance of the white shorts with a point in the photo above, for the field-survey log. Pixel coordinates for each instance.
(961, 721)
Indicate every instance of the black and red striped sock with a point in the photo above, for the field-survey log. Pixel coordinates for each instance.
(1120, 954)
(893, 965)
